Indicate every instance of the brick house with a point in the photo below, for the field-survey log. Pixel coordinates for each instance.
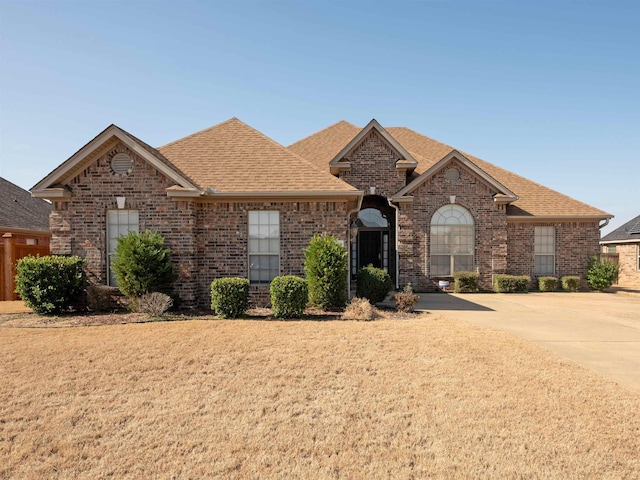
(624, 245)
(24, 228)
(232, 202)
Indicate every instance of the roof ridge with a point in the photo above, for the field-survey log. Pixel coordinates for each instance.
(339, 122)
(200, 132)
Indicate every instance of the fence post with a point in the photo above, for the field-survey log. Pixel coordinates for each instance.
(9, 255)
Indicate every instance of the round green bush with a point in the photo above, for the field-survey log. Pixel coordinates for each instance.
(50, 285)
(289, 296)
(601, 273)
(373, 284)
(230, 297)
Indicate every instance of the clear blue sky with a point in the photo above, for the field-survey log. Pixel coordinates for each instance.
(547, 89)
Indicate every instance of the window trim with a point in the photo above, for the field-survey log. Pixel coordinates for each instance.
(537, 255)
(250, 254)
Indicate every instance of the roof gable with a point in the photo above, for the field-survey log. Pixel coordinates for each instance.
(19, 210)
(50, 186)
(234, 158)
(629, 232)
(405, 160)
(506, 195)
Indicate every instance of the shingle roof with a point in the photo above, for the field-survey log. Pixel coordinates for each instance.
(625, 232)
(19, 210)
(232, 157)
(534, 199)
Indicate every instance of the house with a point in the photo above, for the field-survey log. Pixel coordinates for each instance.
(624, 245)
(24, 228)
(232, 202)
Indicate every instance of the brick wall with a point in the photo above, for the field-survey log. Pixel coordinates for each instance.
(628, 275)
(78, 226)
(576, 244)
(373, 164)
(222, 239)
(489, 218)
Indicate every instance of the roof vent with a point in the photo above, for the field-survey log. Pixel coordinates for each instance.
(121, 164)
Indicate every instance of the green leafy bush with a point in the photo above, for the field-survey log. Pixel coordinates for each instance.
(465, 282)
(601, 273)
(289, 296)
(570, 283)
(325, 267)
(373, 284)
(547, 284)
(142, 264)
(230, 296)
(50, 285)
(511, 283)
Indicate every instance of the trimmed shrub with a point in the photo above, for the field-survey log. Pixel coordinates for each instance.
(142, 264)
(325, 267)
(100, 298)
(289, 296)
(547, 284)
(465, 282)
(50, 285)
(570, 283)
(359, 309)
(154, 304)
(601, 273)
(230, 297)
(373, 284)
(511, 283)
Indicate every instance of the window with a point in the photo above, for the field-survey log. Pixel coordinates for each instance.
(544, 250)
(612, 249)
(264, 246)
(638, 265)
(119, 222)
(452, 240)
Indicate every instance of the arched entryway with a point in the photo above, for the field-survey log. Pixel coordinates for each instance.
(375, 242)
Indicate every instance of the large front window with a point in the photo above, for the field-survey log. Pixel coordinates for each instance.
(545, 250)
(264, 246)
(452, 241)
(119, 222)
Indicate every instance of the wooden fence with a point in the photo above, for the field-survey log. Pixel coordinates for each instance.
(10, 253)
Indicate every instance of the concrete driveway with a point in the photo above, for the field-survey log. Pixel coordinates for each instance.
(600, 331)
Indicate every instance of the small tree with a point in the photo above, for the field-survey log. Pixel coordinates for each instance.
(50, 285)
(326, 270)
(601, 273)
(142, 264)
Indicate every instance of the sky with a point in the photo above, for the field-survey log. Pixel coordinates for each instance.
(547, 89)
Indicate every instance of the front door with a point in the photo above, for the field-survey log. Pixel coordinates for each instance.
(370, 249)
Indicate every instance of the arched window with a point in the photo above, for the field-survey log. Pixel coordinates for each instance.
(452, 240)
(372, 217)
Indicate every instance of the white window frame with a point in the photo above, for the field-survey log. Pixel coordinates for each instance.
(264, 246)
(544, 250)
(119, 223)
(452, 235)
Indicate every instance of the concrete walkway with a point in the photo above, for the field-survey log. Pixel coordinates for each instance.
(600, 331)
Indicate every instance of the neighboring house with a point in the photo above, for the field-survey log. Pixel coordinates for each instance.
(232, 202)
(24, 228)
(624, 243)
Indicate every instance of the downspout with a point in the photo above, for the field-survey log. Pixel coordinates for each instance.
(395, 207)
(349, 213)
(606, 222)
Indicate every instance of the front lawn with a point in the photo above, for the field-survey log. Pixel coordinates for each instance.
(394, 398)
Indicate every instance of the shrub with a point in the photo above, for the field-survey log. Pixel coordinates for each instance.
(142, 264)
(50, 285)
(325, 267)
(465, 282)
(570, 283)
(405, 301)
(100, 298)
(154, 304)
(601, 273)
(289, 296)
(230, 296)
(359, 309)
(547, 284)
(373, 284)
(511, 283)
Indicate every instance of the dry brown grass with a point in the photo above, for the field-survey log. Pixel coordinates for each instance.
(415, 398)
